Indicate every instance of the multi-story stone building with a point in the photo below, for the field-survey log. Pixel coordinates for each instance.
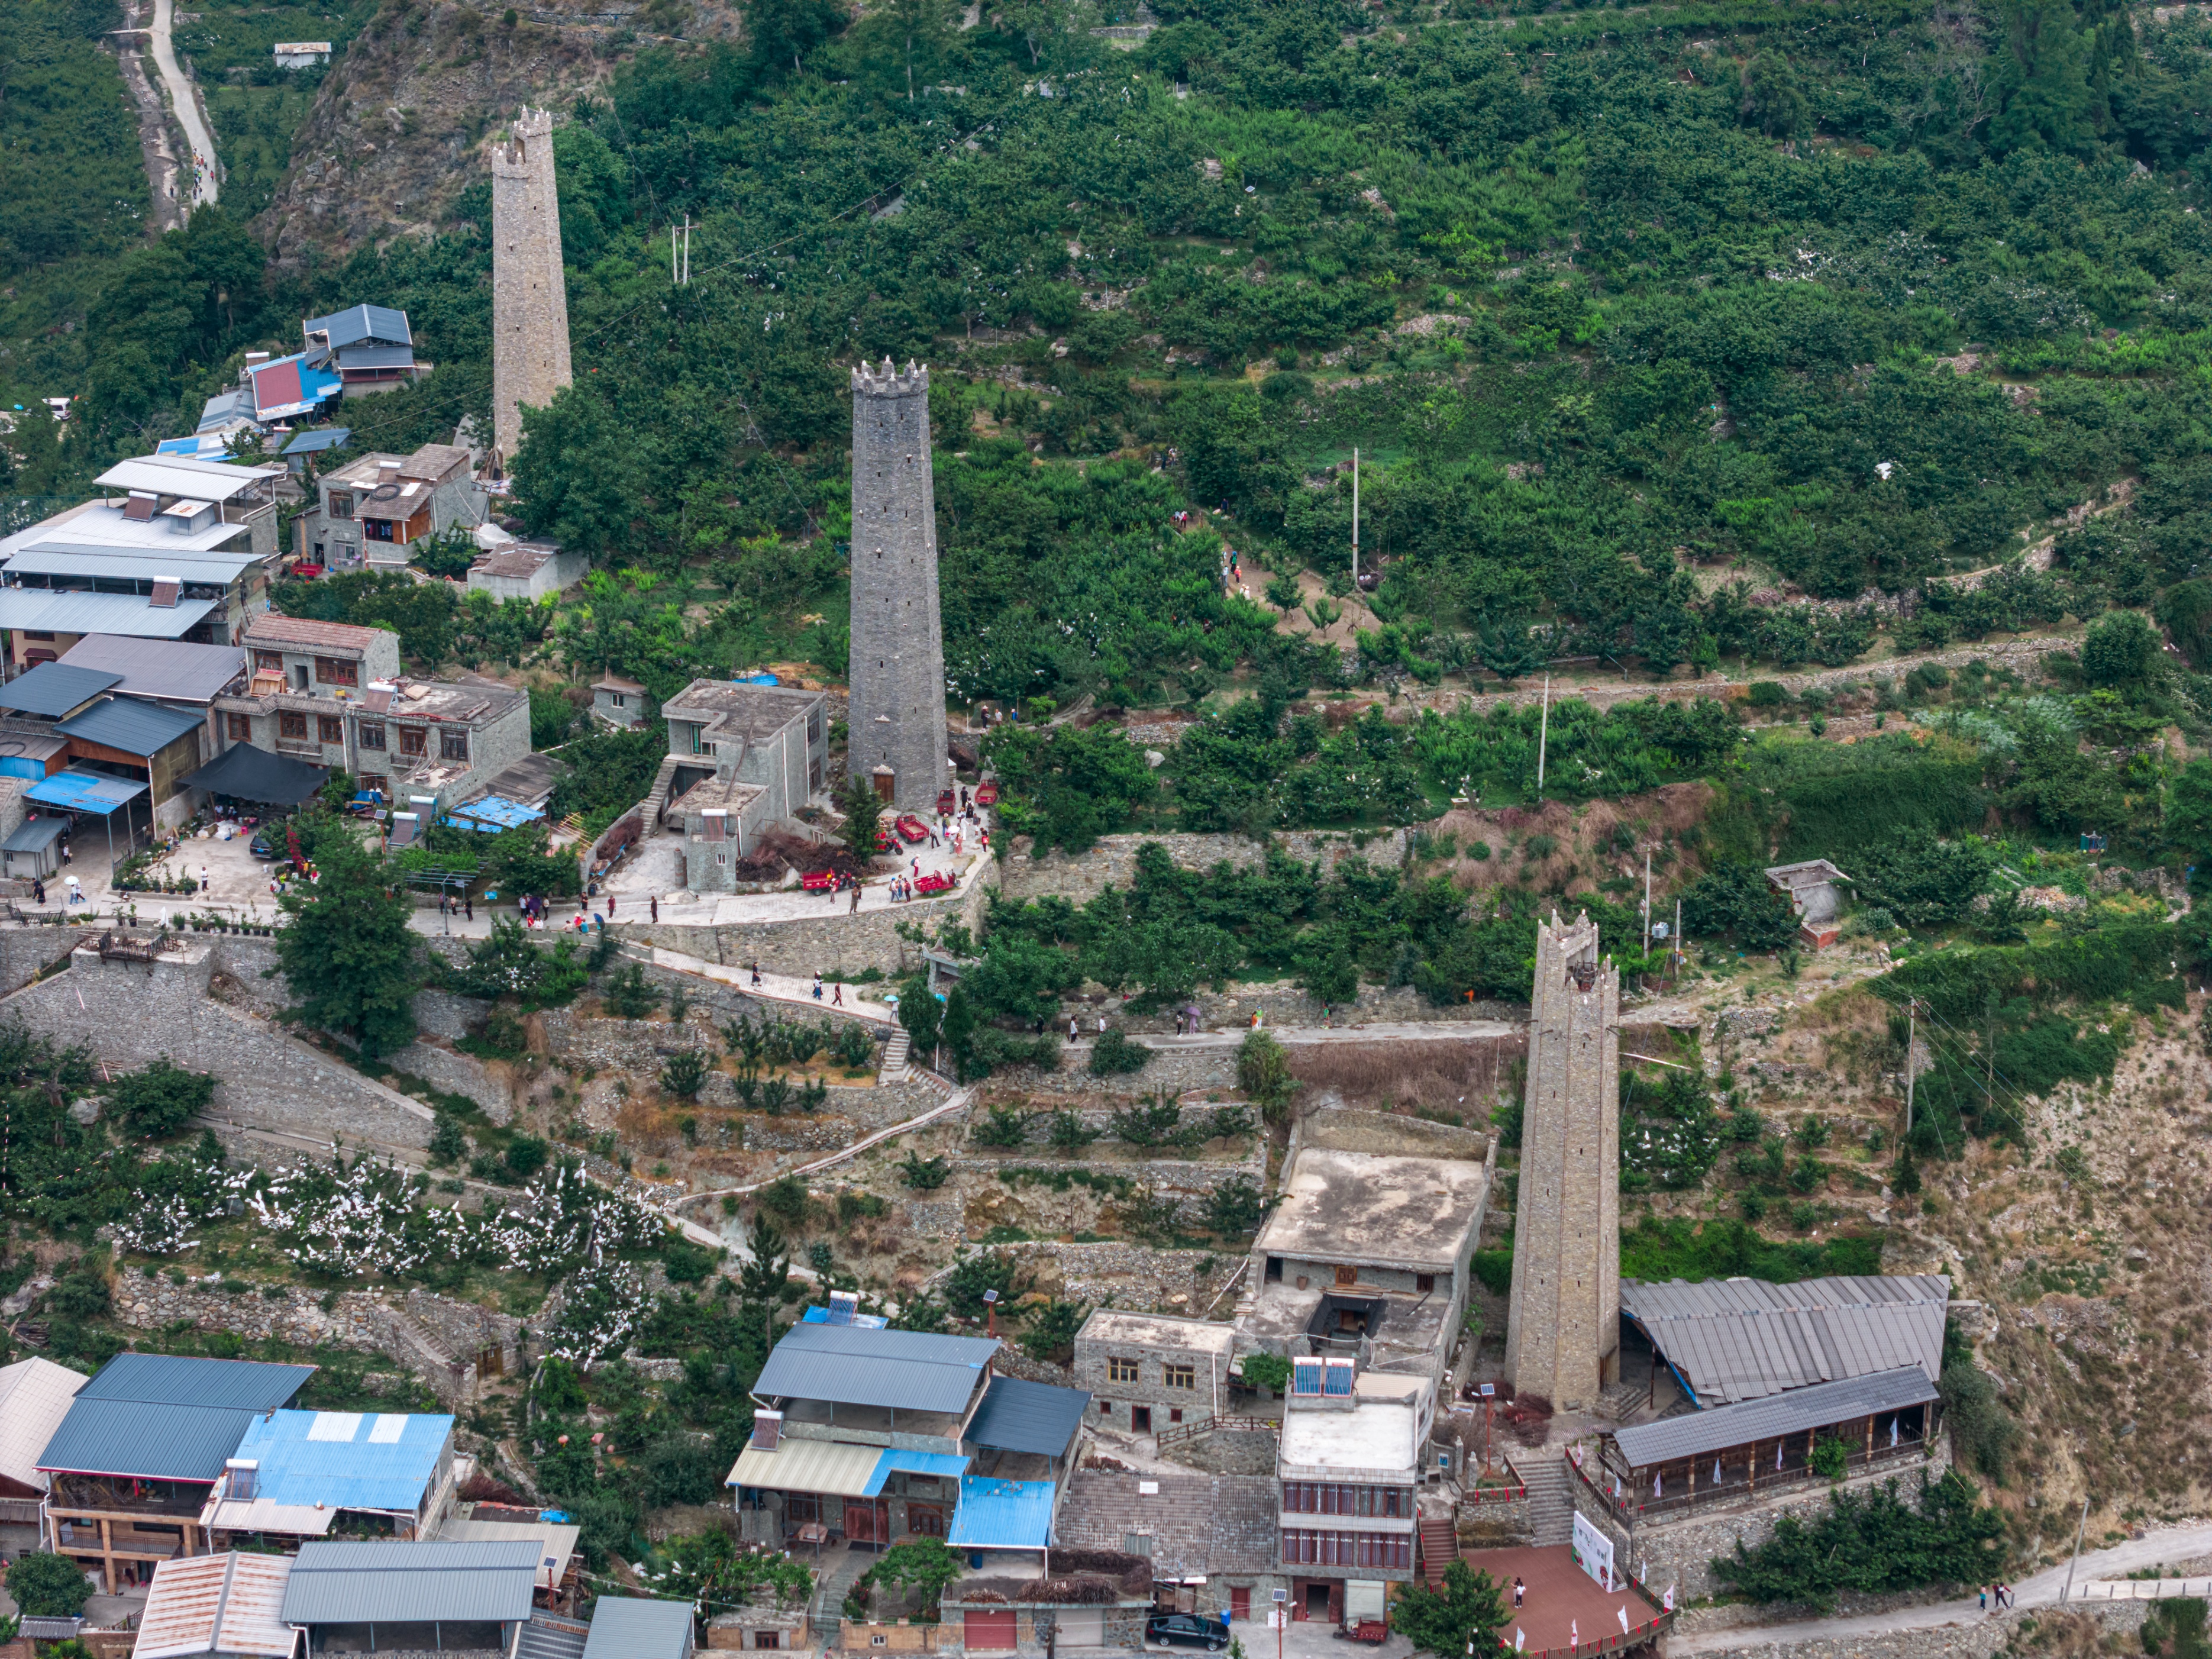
(1351, 1468)
(742, 758)
(373, 511)
(1148, 1372)
(1563, 1325)
(529, 289)
(895, 724)
(331, 695)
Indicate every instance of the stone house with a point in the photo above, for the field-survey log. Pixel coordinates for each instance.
(1090, 1598)
(617, 702)
(742, 758)
(1213, 1540)
(526, 570)
(1147, 1372)
(371, 511)
(331, 695)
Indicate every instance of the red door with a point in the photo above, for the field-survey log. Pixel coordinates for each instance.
(990, 1632)
(926, 1520)
(1240, 1603)
(859, 1521)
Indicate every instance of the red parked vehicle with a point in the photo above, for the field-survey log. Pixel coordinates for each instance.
(913, 828)
(933, 883)
(946, 804)
(987, 792)
(818, 881)
(886, 842)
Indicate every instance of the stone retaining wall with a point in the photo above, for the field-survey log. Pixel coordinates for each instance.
(1111, 861)
(1135, 1275)
(1976, 1637)
(1680, 1550)
(1282, 1004)
(1180, 1070)
(1227, 1451)
(492, 1087)
(836, 942)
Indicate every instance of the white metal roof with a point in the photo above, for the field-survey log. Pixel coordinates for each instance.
(210, 1604)
(556, 1543)
(34, 1396)
(104, 525)
(186, 475)
(1744, 1339)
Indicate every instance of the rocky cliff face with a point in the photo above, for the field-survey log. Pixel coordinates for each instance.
(397, 132)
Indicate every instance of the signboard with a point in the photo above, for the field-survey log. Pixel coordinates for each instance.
(1594, 1552)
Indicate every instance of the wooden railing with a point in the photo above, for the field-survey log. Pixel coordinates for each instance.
(1176, 1433)
(1630, 1506)
(1516, 1488)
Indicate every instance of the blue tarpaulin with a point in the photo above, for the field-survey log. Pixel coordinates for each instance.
(85, 791)
(492, 814)
(1002, 1515)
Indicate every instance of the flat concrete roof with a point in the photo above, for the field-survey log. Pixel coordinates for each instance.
(1412, 1332)
(1142, 1330)
(716, 793)
(740, 711)
(1409, 1213)
(1375, 1434)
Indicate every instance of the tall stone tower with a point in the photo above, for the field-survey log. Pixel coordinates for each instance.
(529, 294)
(1563, 1327)
(896, 722)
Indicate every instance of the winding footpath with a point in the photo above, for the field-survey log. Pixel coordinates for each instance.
(182, 99)
(2172, 1544)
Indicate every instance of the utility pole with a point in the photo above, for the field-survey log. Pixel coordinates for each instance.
(1678, 941)
(1543, 736)
(2067, 1595)
(1912, 1037)
(1647, 898)
(1355, 519)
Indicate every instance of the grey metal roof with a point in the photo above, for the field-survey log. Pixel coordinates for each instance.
(147, 1441)
(322, 438)
(159, 668)
(34, 835)
(374, 356)
(1820, 1407)
(99, 613)
(179, 1380)
(1744, 1339)
(135, 727)
(337, 1583)
(624, 1627)
(361, 323)
(52, 689)
(1028, 1417)
(129, 563)
(852, 1365)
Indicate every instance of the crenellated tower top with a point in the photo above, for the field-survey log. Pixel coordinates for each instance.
(890, 381)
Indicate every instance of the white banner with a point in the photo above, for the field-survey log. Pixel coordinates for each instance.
(1593, 1551)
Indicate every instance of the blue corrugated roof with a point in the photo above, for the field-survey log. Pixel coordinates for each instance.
(135, 727)
(84, 791)
(1028, 1417)
(1002, 1515)
(346, 1460)
(166, 1417)
(328, 437)
(492, 812)
(52, 689)
(362, 323)
(944, 1465)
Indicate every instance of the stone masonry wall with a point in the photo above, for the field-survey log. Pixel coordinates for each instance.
(490, 1087)
(1682, 1551)
(1282, 1003)
(1112, 859)
(130, 1013)
(1976, 1637)
(25, 951)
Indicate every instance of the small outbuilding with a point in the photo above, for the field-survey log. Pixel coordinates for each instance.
(1811, 887)
(625, 1627)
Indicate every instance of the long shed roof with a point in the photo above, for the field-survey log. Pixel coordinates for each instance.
(166, 1417)
(1823, 1406)
(852, 1365)
(345, 1583)
(1743, 1339)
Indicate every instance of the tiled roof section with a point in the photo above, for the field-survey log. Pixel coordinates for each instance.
(434, 462)
(1826, 1406)
(1200, 1524)
(1744, 1339)
(269, 629)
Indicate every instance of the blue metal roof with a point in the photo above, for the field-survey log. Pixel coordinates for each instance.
(346, 1460)
(309, 443)
(84, 791)
(52, 689)
(1028, 1417)
(1002, 1515)
(251, 1385)
(905, 1370)
(625, 1627)
(492, 813)
(166, 1416)
(944, 1465)
(362, 323)
(135, 727)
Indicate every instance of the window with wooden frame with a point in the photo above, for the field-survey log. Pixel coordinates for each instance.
(372, 734)
(453, 745)
(269, 662)
(1179, 1376)
(1347, 1275)
(414, 740)
(238, 727)
(330, 728)
(1424, 1283)
(1120, 1370)
(292, 726)
(341, 503)
(337, 670)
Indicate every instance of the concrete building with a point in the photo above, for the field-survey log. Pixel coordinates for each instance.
(331, 695)
(896, 726)
(1147, 1372)
(1351, 1467)
(1367, 1256)
(371, 348)
(371, 512)
(529, 289)
(617, 702)
(300, 54)
(526, 570)
(1563, 1325)
(744, 758)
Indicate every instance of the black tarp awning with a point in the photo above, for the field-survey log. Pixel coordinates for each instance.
(246, 773)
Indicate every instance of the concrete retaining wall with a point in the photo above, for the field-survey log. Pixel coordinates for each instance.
(835, 943)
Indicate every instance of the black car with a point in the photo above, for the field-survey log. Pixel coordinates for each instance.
(1187, 1630)
(262, 847)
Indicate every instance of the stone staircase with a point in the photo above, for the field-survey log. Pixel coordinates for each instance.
(837, 1579)
(656, 798)
(1439, 1545)
(1551, 1505)
(893, 1068)
(546, 1637)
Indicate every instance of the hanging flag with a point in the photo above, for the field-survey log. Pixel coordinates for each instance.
(1657, 1477)
(1517, 1639)
(1717, 1471)
(1893, 1434)
(1574, 1632)
(1623, 1612)
(1668, 1601)
(1777, 1456)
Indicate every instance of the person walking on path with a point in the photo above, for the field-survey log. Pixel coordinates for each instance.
(203, 878)
(655, 902)
(468, 906)
(756, 974)
(855, 910)
(837, 994)
(1520, 1590)
(817, 986)
(1071, 1028)
(1982, 1592)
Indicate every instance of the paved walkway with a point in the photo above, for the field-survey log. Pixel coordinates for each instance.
(789, 988)
(2171, 1544)
(203, 182)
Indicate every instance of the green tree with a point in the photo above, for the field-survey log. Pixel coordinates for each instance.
(1737, 899)
(1772, 100)
(2043, 80)
(348, 954)
(510, 962)
(1922, 881)
(1462, 1615)
(2120, 649)
(1263, 1073)
(160, 1099)
(48, 1586)
(1049, 1331)
(1874, 1543)
(864, 816)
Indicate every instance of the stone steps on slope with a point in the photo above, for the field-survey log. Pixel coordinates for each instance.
(1551, 1505)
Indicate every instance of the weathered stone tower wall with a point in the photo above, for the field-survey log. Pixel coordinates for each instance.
(895, 723)
(1563, 1326)
(529, 294)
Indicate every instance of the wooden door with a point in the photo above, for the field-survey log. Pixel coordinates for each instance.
(989, 1633)
(859, 1521)
(1240, 1603)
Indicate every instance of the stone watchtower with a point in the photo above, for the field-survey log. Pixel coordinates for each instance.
(529, 294)
(1563, 1328)
(895, 723)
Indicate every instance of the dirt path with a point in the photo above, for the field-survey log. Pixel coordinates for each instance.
(155, 145)
(200, 179)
